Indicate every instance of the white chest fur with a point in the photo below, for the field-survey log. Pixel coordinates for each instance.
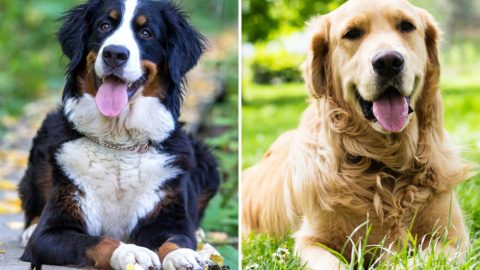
(120, 187)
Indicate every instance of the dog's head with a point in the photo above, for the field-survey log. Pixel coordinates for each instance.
(123, 50)
(375, 56)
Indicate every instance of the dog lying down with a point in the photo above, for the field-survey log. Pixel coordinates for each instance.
(370, 146)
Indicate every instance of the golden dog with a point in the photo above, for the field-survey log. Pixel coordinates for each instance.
(371, 145)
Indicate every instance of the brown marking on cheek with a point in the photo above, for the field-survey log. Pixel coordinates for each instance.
(86, 80)
(113, 14)
(165, 249)
(153, 87)
(141, 20)
(101, 253)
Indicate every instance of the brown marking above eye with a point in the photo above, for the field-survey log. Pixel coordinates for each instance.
(141, 20)
(113, 14)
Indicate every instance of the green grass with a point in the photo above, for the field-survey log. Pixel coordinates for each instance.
(267, 111)
(270, 110)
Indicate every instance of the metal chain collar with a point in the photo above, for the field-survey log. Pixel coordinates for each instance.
(135, 148)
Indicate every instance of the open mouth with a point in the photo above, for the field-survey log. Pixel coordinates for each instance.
(390, 110)
(113, 93)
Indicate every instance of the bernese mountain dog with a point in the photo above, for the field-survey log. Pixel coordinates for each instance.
(112, 179)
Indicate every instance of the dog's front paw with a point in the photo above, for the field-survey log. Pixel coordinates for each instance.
(183, 259)
(132, 254)
(27, 234)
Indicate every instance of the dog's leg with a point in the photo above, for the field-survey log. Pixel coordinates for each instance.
(316, 257)
(444, 217)
(171, 232)
(27, 233)
(61, 238)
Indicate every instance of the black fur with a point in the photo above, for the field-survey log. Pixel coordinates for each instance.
(61, 236)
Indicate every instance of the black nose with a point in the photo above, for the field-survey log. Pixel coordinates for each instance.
(388, 64)
(115, 56)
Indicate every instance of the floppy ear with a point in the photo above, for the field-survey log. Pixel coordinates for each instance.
(73, 34)
(316, 70)
(429, 111)
(432, 37)
(185, 44)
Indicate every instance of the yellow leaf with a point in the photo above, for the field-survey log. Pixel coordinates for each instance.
(135, 266)
(7, 185)
(218, 259)
(8, 121)
(10, 206)
(15, 225)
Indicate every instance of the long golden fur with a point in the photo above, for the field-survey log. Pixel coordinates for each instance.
(325, 178)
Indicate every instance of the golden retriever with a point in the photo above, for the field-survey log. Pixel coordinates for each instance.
(371, 145)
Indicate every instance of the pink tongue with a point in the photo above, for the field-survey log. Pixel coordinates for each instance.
(111, 98)
(391, 110)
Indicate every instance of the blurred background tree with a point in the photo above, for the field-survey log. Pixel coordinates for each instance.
(266, 19)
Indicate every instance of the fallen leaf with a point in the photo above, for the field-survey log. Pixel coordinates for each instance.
(10, 206)
(15, 225)
(8, 121)
(135, 266)
(7, 185)
(208, 252)
(218, 259)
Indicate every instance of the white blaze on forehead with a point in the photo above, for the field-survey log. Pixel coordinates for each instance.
(124, 36)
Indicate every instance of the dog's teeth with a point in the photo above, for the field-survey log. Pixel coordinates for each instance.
(130, 85)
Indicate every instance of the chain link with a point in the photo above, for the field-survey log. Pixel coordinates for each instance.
(136, 148)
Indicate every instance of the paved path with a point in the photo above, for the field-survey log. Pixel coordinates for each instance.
(204, 86)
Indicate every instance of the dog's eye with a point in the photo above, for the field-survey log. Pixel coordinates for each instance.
(353, 34)
(406, 26)
(146, 34)
(105, 27)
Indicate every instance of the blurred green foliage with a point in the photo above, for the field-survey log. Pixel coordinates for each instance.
(220, 132)
(212, 15)
(263, 20)
(276, 66)
(30, 56)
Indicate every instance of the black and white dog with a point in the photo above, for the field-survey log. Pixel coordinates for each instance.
(112, 179)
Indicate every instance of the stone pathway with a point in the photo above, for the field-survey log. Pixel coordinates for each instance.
(205, 87)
